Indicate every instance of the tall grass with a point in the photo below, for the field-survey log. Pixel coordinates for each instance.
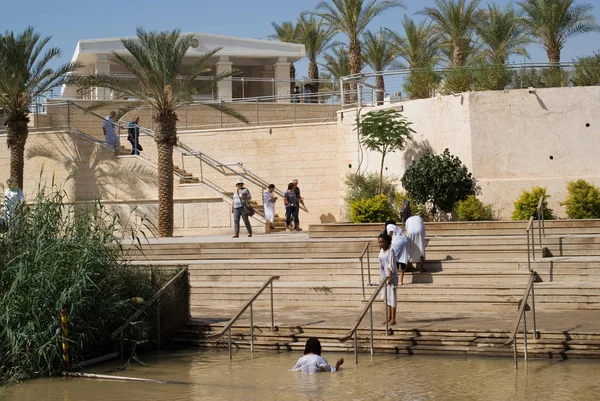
(54, 257)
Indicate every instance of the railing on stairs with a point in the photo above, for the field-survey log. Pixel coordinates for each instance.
(362, 270)
(248, 304)
(522, 315)
(181, 279)
(530, 232)
(368, 308)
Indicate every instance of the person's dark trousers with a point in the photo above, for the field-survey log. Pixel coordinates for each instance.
(290, 215)
(135, 148)
(296, 217)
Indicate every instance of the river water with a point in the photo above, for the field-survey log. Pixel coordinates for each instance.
(211, 375)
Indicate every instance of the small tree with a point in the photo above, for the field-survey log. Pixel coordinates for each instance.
(440, 179)
(526, 205)
(384, 131)
(583, 200)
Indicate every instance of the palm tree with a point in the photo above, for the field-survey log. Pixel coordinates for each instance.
(379, 53)
(421, 45)
(155, 60)
(286, 32)
(502, 34)
(337, 64)
(316, 38)
(24, 77)
(455, 20)
(351, 18)
(552, 22)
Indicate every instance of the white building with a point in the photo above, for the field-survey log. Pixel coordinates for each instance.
(263, 65)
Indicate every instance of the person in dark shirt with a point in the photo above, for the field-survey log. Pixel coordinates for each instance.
(133, 136)
(299, 201)
(290, 201)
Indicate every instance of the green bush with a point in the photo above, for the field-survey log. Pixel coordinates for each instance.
(373, 210)
(472, 209)
(491, 77)
(439, 180)
(422, 83)
(526, 205)
(54, 259)
(583, 200)
(587, 71)
(459, 79)
(364, 186)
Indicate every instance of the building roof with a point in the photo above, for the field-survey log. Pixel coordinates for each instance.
(87, 50)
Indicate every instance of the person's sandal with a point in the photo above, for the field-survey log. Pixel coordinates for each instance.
(236, 236)
(250, 235)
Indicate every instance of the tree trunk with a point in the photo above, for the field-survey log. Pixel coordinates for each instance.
(380, 85)
(17, 132)
(458, 56)
(380, 189)
(313, 77)
(553, 54)
(355, 67)
(166, 138)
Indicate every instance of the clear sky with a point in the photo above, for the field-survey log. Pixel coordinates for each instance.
(69, 21)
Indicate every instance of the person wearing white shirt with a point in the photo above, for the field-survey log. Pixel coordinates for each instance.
(399, 245)
(110, 133)
(312, 361)
(13, 196)
(389, 273)
(269, 204)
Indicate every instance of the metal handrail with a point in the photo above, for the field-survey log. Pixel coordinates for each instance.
(247, 305)
(368, 308)
(541, 225)
(529, 231)
(121, 330)
(362, 271)
(521, 314)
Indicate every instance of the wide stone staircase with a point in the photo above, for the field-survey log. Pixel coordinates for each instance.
(464, 304)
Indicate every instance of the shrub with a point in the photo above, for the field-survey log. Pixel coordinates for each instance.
(583, 200)
(373, 210)
(459, 79)
(587, 71)
(54, 259)
(421, 84)
(472, 209)
(441, 180)
(526, 205)
(491, 77)
(364, 186)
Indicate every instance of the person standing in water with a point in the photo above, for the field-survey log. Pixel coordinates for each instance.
(312, 361)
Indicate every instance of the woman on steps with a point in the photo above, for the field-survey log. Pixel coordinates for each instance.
(399, 242)
(241, 195)
(389, 272)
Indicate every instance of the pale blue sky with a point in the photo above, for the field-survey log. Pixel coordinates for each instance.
(69, 21)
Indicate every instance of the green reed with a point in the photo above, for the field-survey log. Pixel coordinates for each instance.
(56, 256)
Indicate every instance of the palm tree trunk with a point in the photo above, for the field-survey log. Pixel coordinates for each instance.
(313, 76)
(380, 85)
(553, 55)
(166, 138)
(17, 132)
(458, 56)
(355, 67)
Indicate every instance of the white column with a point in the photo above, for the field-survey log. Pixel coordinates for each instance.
(224, 87)
(282, 77)
(102, 67)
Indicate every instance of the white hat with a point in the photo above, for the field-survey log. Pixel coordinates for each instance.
(239, 181)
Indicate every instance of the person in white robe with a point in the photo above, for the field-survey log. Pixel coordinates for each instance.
(13, 196)
(417, 241)
(269, 200)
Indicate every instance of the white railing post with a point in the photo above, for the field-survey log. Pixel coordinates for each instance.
(229, 341)
(251, 329)
(371, 330)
